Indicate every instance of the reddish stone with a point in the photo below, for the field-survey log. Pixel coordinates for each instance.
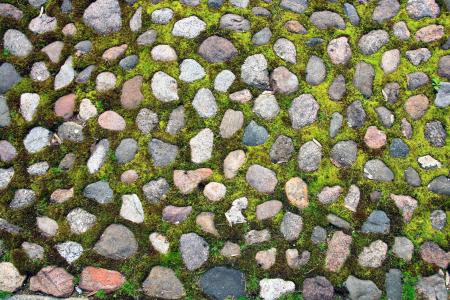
(114, 52)
(187, 181)
(416, 106)
(61, 195)
(54, 281)
(64, 106)
(131, 93)
(95, 279)
(430, 33)
(112, 121)
(374, 138)
(433, 254)
(338, 251)
(406, 204)
(129, 176)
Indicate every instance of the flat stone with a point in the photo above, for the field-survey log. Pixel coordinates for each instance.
(94, 279)
(385, 10)
(10, 11)
(99, 191)
(43, 24)
(53, 281)
(352, 14)
(433, 254)
(147, 38)
(205, 103)
(257, 236)
(159, 242)
(222, 282)
(428, 162)
(233, 162)
(262, 37)
(262, 179)
(70, 251)
(435, 133)
(335, 124)
(234, 22)
(162, 153)
(131, 95)
(442, 99)
(191, 70)
(10, 77)
(265, 259)
(29, 103)
(71, 131)
(418, 9)
(6, 175)
(189, 27)
(194, 250)
(163, 283)
(303, 111)
(39, 72)
(103, 16)
(438, 219)
(318, 235)
(234, 214)
(315, 70)
(309, 156)
(398, 148)
(231, 250)
(176, 214)
(430, 33)
(297, 6)
(126, 150)
(48, 227)
(129, 62)
(206, 222)
(317, 288)
(373, 255)
(337, 88)
(131, 209)
(377, 170)
(162, 16)
(281, 150)
(216, 49)
(214, 191)
(403, 248)
(146, 120)
(33, 251)
(116, 242)
(266, 106)
(268, 209)
(98, 156)
(224, 80)
(254, 72)
(164, 53)
(363, 79)
(338, 251)
(401, 31)
(432, 287)
(232, 122)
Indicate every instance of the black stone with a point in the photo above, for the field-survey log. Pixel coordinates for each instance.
(221, 283)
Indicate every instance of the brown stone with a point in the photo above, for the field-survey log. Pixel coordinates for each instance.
(374, 138)
(268, 209)
(112, 121)
(64, 106)
(295, 27)
(216, 49)
(406, 204)
(131, 93)
(430, 33)
(176, 214)
(433, 254)
(297, 192)
(129, 176)
(206, 222)
(416, 106)
(54, 281)
(61, 195)
(187, 181)
(163, 283)
(95, 279)
(114, 52)
(338, 251)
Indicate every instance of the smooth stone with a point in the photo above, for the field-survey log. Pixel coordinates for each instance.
(163, 283)
(303, 111)
(262, 179)
(377, 222)
(254, 134)
(99, 191)
(162, 153)
(117, 242)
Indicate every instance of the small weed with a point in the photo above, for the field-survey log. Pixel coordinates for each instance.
(101, 294)
(6, 52)
(5, 295)
(129, 289)
(436, 83)
(409, 283)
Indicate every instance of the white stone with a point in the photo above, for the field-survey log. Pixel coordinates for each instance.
(234, 214)
(214, 191)
(191, 70)
(274, 288)
(189, 27)
(224, 80)
(202, 146)
(205, 103)
(159, 242)
(98, 156)
(132, 208)
(70, 251)
(28, 105)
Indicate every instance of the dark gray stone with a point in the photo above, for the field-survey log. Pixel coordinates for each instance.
(309, 156)
(416, 80)
(440, 185)
(435, 133)
(391, 91)
(377, 222)
(162, 153)
(85, 75)
(281, 150)
(337, 88)
(412, 177)
(221, 283)
(9, 77)
(343, 154)
(262, 37)
(377, 170)
(315, 71)
(129, 62)
(116, 242)
(356, 116)
(443, 96)
(438, 219)
(351, 13)
(363, 78)
(398, 148)
(254, 134)
(99, 191)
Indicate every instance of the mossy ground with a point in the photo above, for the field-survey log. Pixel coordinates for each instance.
(137, 268)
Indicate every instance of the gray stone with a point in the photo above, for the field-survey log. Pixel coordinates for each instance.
(435, 133)
(266, 106)
(39, 72)
(70, 251)
(205, 103)
(373, 41)
(356, 116)
(224, 80)
(53, 51)
(163, 283)
(403, 248)
(9, 227)
(43, 24)
(10, 278)
(162, 15)
(351, 13)
(17, 43)
(377, 170)
(22, 198)
(363, 78)
(80, 220)
(412, 177)
(444, 66)
(393, 284)
(315, 71)
(262, 37)
(33, 251)
(47, 227)
(338, 222)
(129, 62)
(98, 156)
(262, 179)
(362, 289)
(66, 6)
(291, 226)
(401, 31)
(105, 81)
(232, 163)
(281, 150)
(418, 9)
(116, 242)
(10, 77)
(327, 19)
(257, 236)
(65, 75)
(406, 128)
(126, 150)
(202, 146)
(194, 250)
(222, 283)
(99, 191)
(254, 134)
(189, 27)
(418, 56)
(335, 124)
(337, 88)
(440, 185)
(164, 87)
(254, 71)
(317, 288)
(131, 208)
(136, 20)
(162, 153)
(146, 120)
(438, 219)
(10, 11)
(373, 255)
(344, 153)
(6, 176)
(339, 50)
(428, 162)
(147, 38)
(232, 122)
(432, 287)
(283, 81)
(310, 156)
(28, 105)
(37, 139)
(103, 16)
(352, 198)
(39, 168)
(37, 3)
(385, 10)
(298, 6)
(71, 131)
(285, 49)
(234, 23)
(303, 111)
(443, 96)
(7, 151)
(377, 222)
(156, 190)
(391, 92)
(215, 4)
(390, 61)
(191, 70)
(176, 121)
(261, 11)
(319, 235)
(83, 47)
(416, 80)
(398, 148)
(85, 74)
